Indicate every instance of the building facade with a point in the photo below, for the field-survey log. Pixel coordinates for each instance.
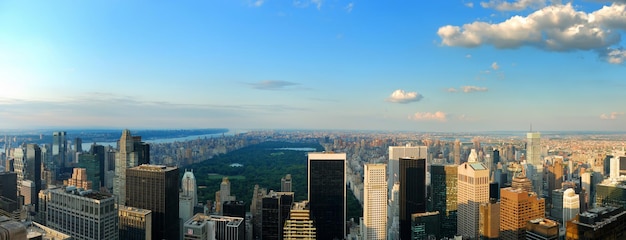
(473, 189)
(131, 153)
(412, 192)
(375, 201)
(517, 207)
(327, 193)
(134, 223)
(82, 214)
(444, 198)
(155, 188)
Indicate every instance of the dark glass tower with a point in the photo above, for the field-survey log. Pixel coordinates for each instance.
(444, 184)
(59, 149)
(155, 188)
(412, 192)
(32, 170)
(275, 211)
(327, 194)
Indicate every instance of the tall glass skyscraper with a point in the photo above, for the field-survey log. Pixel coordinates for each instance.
(327, 194)
(412, 192)
(444, 184)
(155, 188)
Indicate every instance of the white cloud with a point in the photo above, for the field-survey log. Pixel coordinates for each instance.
(349, 7)
(516, 5)
(452, 90)
(427, 116)
(495, 66)
(615, 56)
(552, 28)
(400, 96)
(468, 56)
(258, 3)
(469, 89)
(306, 3)
(611, 116)
(469, 4)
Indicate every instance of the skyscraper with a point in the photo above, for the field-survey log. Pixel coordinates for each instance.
(375, 201)
(533, 158)
(412, 192)
(59, 149)
(155, 188)
(444, 184)
(517, 207)
(286, 184)
(131, 153)
(188, 196)
(327, 194)
(397, 152)
(299, 226)
(28, 168)
(83, 214)
(473, 189)
(275, 211)
(489, 220)
(134, 223)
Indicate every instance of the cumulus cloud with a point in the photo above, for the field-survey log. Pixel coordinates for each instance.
(495, 66)
(272, 85)
(611, 116)
(427, 116)
(552, 28)
(613, 55)
(469, 89)
(400, 96)
(516, 5)
(469, 4)
(349, 7)
(452, 90)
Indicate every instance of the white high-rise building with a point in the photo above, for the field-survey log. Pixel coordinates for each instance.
(473, 189)
(190, 187)
(571, 204)
(375, 202)
(533, 157)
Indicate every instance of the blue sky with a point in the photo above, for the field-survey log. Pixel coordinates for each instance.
(316, 64)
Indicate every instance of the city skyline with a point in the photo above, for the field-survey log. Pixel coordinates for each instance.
(363, 65)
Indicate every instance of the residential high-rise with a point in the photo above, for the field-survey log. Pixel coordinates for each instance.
(155, 188)
(275, 211)
(59, 149)
(375, 201)
(299, 226)
(83, 214)
(131, 153)
(444, 198)
(473, 189)
(517, 207)
(412, 192)
(286, 184)
(327, 193)
(457, 152)
(489, 220)
(134, 223)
